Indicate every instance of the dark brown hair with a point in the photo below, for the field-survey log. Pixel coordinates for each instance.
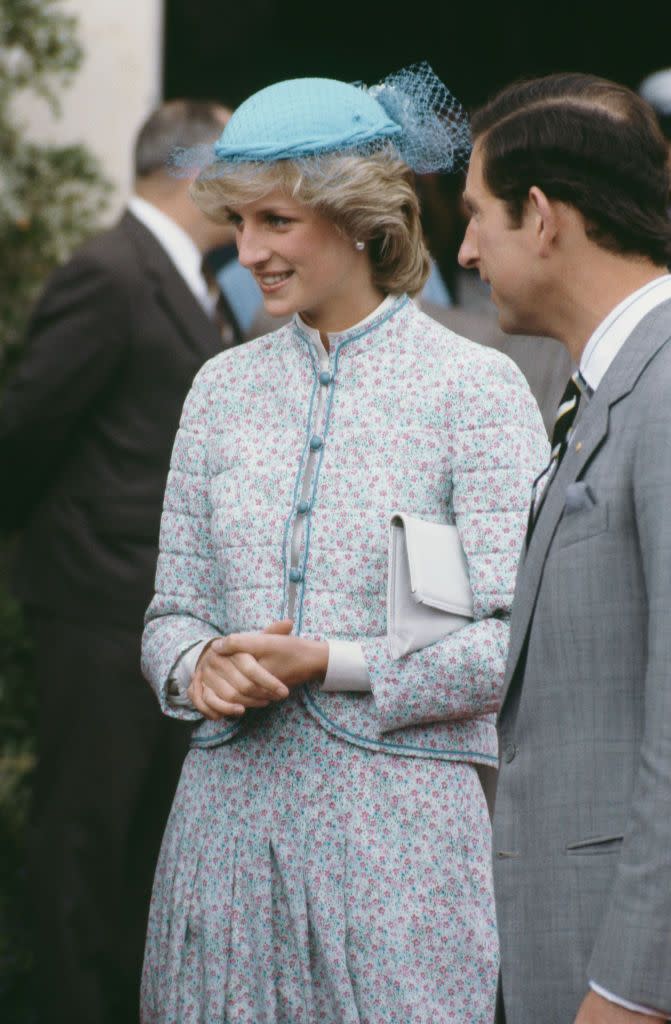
(588, 142)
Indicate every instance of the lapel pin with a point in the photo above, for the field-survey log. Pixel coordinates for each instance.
(578, 445)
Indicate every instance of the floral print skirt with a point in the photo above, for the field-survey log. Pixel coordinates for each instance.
(304, 880)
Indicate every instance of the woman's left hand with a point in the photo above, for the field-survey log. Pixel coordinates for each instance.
(291, 659)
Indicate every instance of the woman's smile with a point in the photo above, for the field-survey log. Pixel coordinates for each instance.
(322, 275)
(271, 282)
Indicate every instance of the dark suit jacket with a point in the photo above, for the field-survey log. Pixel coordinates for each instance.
(88, 421)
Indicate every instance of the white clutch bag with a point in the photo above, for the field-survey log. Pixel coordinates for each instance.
(428, 590)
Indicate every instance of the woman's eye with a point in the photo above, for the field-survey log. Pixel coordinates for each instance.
(276, 221)
(234, 219)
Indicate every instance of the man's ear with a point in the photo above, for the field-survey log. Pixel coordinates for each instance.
(544, 219)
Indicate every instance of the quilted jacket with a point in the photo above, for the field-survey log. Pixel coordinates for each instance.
(416, 419)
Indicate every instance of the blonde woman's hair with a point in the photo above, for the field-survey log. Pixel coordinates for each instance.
(369, 198)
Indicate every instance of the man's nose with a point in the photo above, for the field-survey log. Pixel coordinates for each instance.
(468, 251)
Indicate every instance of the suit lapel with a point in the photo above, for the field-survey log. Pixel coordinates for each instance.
(590, 432)
(591, 429)
(199, 331)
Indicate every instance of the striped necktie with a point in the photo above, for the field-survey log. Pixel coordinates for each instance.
(566, 414)
(564, 420)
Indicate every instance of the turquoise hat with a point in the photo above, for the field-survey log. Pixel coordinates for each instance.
(301, 117)
(411, 112)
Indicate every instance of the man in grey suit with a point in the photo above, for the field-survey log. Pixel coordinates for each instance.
(567, 193)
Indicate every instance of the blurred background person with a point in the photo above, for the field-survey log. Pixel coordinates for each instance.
(656, 90)
(86, 428)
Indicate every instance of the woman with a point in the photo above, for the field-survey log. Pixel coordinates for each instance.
(327, 856)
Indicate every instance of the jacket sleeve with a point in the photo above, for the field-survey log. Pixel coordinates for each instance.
(187, 606)
(499, 447)
(75, 343)
(632, 952)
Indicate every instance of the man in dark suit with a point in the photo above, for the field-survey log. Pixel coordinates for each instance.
(86, 431)
(567, 191)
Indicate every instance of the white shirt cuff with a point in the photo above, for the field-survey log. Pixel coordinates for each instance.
(624, 1003)
(182, 671)
(346, 669)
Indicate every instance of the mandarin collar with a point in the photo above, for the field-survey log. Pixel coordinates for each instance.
(387, 308)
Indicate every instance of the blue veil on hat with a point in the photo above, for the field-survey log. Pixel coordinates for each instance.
(411, 112)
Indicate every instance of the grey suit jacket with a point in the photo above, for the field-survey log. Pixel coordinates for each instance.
(582, 828)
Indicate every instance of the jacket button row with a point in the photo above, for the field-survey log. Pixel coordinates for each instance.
(303, 507)
(295, 575)
(325, 378)
(316, 442)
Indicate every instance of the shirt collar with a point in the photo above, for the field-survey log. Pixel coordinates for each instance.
(179, 246)
(613, 331)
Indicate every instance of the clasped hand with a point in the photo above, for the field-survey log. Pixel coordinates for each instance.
(253, 670)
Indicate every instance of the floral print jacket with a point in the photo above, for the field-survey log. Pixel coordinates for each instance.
(417, 420)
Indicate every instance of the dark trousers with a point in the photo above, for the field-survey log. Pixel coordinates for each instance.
(108, 764)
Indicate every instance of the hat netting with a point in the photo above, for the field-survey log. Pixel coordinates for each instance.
(411, 111)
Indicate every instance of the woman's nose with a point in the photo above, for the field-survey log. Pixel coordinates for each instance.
(252, 250)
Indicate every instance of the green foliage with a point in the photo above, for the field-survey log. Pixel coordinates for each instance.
(17, 758)
(53, 202)
(50, 200)
(39, 49)
(50, 196)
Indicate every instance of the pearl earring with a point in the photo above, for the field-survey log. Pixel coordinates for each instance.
(359, 246)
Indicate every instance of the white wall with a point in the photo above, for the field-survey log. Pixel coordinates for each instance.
(117, 85)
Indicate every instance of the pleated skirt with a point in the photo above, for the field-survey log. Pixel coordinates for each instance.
(304, 880)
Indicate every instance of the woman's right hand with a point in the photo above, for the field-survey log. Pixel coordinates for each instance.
(225, 686)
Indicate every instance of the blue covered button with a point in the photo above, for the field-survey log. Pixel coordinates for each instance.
(316, 442)
(325, 378)
(295, 575)
(303, 507)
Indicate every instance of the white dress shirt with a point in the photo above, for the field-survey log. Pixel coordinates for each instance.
(613, 331)
(599, 353)
(179, 246)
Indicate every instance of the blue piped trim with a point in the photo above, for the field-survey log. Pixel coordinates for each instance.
(369, 328)
(299, 476)
(313, 493)
(362, 741)
(311, 353)
(339, 346)
(216, 738)
(366, 741)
